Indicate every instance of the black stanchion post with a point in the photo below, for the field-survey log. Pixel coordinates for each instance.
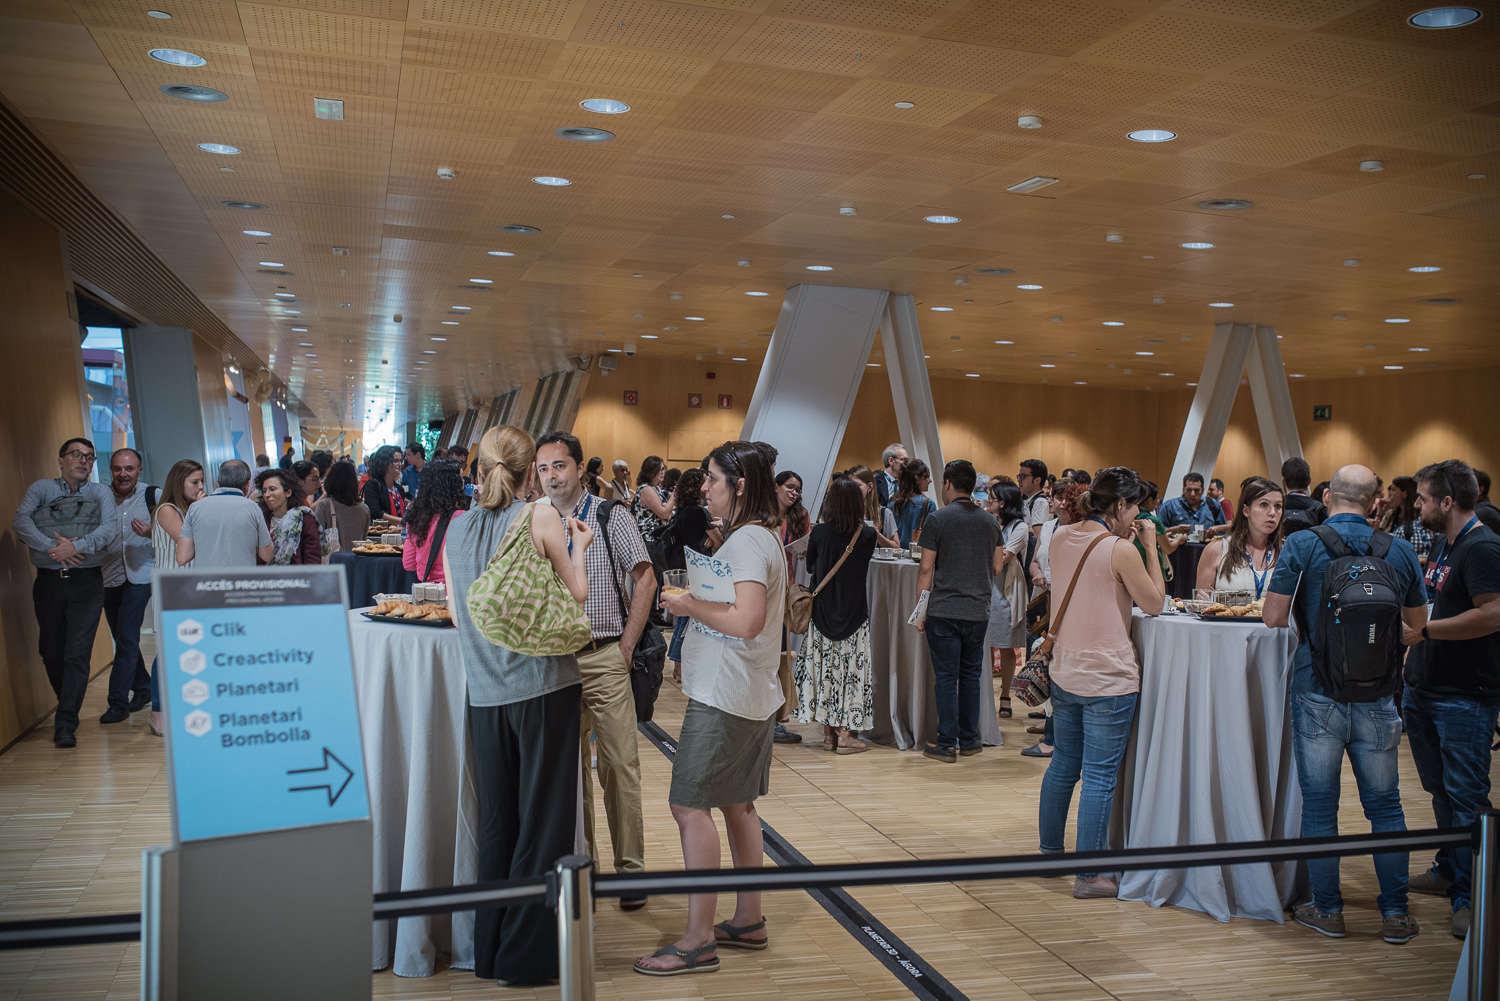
(1484, 929)
(575, 927)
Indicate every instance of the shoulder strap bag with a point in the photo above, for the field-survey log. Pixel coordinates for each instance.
(520, 603)
(650, 655)
(799, 600)
(1033, 684)
(436, 549)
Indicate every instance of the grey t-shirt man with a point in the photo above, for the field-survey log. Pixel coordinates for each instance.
(963, 537)
(226, 528)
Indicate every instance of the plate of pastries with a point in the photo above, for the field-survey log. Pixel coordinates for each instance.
(410, 613)
(1218, 611)
(376, 549)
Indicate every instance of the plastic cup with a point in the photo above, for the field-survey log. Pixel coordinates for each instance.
(675, 582)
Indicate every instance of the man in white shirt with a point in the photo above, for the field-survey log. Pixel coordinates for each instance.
(1031, 479)
(127, 585)
(226, 528)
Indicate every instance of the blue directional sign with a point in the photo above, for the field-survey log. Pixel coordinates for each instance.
(258, 691)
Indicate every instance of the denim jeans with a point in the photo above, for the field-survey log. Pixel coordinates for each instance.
(1322, 730)
(1089, 741)
(679, 633)
(124, 610)
(1450, 742)
(958, 655)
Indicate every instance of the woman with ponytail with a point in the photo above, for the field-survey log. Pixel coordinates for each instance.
(523, 713)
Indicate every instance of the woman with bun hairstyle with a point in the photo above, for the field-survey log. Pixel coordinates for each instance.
(523, 713)
(1096, 680)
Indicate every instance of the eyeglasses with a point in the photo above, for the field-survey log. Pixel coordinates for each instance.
(79, 454)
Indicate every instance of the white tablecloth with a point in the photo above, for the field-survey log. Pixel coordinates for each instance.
(1210, 761)
(411, 687)
(901, 668)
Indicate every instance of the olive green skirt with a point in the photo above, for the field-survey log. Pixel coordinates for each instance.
(722, 759)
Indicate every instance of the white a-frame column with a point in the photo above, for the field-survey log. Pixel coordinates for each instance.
(1233, 347)
(911, 388)
(810, 377)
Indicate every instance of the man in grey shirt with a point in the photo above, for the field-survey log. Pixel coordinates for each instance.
(960, 555)
(68, 525)
(226, 528)
(127, 584)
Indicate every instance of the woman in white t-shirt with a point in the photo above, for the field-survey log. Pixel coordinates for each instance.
(729, 674)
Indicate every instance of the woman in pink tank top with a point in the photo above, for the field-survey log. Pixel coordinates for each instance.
(1095, 678)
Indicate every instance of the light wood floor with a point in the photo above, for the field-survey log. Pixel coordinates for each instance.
(73, 823)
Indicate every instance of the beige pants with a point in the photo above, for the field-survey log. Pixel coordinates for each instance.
(609, 711)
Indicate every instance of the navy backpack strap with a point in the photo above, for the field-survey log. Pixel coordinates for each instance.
(1332, 541)
(1380, 544)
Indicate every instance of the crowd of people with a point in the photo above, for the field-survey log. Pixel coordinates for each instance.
(991, 558)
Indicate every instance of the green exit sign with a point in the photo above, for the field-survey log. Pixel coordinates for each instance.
(1324, 413)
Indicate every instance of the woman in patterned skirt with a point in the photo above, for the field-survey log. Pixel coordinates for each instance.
(833, 670)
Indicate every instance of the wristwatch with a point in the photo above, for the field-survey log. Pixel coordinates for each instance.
(1424, 633)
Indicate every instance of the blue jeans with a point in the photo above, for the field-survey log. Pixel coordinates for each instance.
(958, 655)
(124, 610)
(1322, 730)
(1089, 741)
(1450, 742)
(679, 632)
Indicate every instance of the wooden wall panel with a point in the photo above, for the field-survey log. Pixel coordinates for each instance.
(41, 405)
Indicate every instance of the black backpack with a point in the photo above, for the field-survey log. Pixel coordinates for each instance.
(1357, 653)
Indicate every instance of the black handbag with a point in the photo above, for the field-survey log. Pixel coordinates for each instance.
(1033, 683)
(650, 657)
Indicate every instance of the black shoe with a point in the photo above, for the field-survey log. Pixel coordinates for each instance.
(64, 738)
(141, 700)
(785, 736)
(632, 903)
(945, 754)
(114, 714)
(1036, 715)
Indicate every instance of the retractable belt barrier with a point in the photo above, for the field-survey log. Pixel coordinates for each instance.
(571, 887)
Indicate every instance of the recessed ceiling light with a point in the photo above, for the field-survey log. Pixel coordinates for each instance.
(255, 232)
(1005, 342)
(942, 309)
(904, 105)
(177, 57)
(305, 344)
(450, 323)
(1226, 204)
(1222, 305)
(516, 227)
(246, 206)
(271, 264)
(604, 106)
(696, 319)
(739, 359)
(482, 281)
(943, 220)
(460, 309)
(1114, 323)
(1029, 288)
(160, 15)
(285, 295)
(312, 354)
(819, 267)
(757, 293)
(1197, 246)
(1425, 269)
(1031, 184)
(1443, 17)
(1145, 354)
(299, 330)
(971, 375)
(499, 253)
(1475, 177)
(650, 337)
(429, 351)
(1394, 368)
(1296, 375)
(188, 92)
(1397, 319)
(551, 182)
(584, 134)
(219, 148)
(292, 312)
(1080, 383)
(1419, 350)
(1048, 364)
(1167, 375)
(1151, 135)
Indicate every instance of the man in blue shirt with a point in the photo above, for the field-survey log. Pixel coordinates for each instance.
(411, 476)
(1191, 508)
(69, 525)
(1323, 730)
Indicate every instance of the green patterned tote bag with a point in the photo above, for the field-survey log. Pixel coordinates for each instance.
(519, 602)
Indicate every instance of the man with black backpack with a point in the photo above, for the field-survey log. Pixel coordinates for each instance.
(1453, 674)
(618, 619)
(1354, 589)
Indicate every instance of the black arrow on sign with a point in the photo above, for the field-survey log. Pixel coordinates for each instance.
(329, 760)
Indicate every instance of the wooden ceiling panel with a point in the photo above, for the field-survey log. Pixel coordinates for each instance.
(883, 15)
(310, 131)
(320, 33)
(328, 76)
(1462, 135)
(1184, 42)
(959, 66)
(211, 123)
(671, 27)
(835, 161)
(696, 146)
(631, 69)
(1227, 101)
(1096, 85)
(877, 99)
(1270, 149)
(1463, 83)
(747, 121)
(1282, 13)
(434, 85)
(454, 119)
(978, 147)
(203, 20)
(541, 18)
(1385, 21)
(806, 46)
(466, 49)
(1329, 63)
(445, 150)
(1059, 121)
(127, 51)
(1301, 185)
(858, 133)
(777, 87)
(1058, 27)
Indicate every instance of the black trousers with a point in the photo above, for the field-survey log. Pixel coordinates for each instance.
(526, 779)
(67, 616)
(125, 610)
